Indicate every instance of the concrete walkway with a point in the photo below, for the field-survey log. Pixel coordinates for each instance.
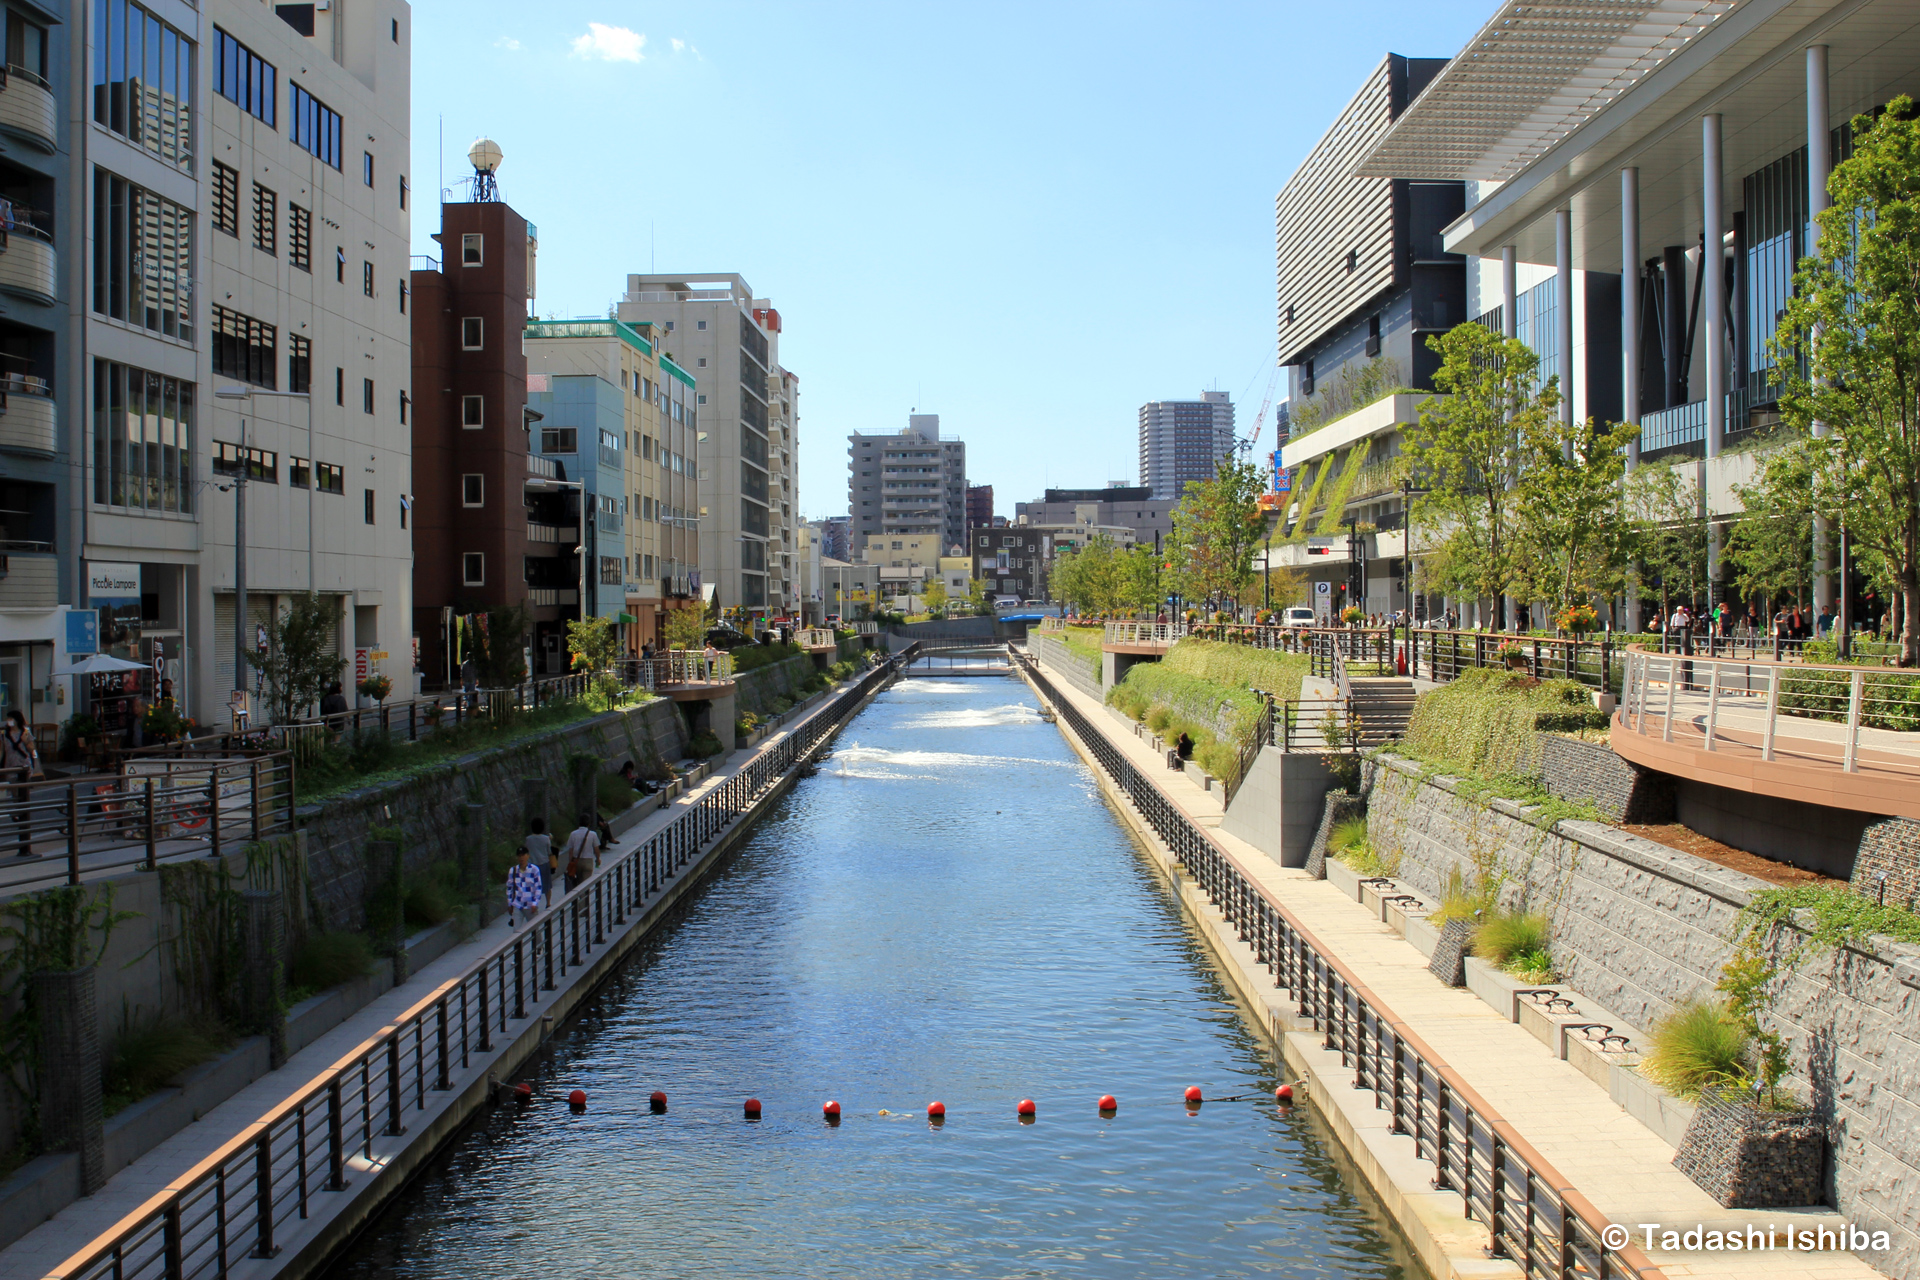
(1623, 1168)
(38, 1252)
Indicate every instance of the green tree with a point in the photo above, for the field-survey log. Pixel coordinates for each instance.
(500, 649)
(1771, 544)
(1848, 349)
(934, 595)
(977, 596)
(301, 660)
(1571, 540)
(594, 643)
(1139, 577)
(1465, 451)
(686, 628)
(1217, 526)
(1669, 529)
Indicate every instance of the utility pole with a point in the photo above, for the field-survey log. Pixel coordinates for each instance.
(240, 566)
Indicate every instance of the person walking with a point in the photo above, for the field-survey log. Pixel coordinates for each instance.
(539, 847)
(20, 760)
(583, 844)
(523, 889)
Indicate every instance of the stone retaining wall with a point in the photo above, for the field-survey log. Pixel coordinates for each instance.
(1638, 927)
(1068, 665)
(1575, 770)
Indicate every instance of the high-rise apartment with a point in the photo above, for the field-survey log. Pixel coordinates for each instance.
(979, 505)
(246, 204)
(747, 409)
(1183, 440)
(911, 481)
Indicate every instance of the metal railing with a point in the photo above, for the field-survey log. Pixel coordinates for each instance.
(1143, 632)
(816, 638)
(233, 1205)
(157, 805)
(412, 717)
(1301, 725)
(1530, 1211)
(682, 667)
(1768, 701)
(1443, 655)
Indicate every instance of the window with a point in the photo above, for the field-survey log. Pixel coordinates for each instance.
(333, 478)
(405, 403)
(366, 167)
(403, 297)
(366, 395)
(240, 75)
(142, 439)
(340, 387)
(244, 348)
(26, 47)
(299, 363)
(299, 237)
(262, 464)
(315, 127)
(266, 218)
(299, 473)
(703, 362)
(473, 569)
(473, 411)
(403, 191)
(406, 505)
(366, 278)
(142, 257)
(703, 399)
(559, 440)
(396, 31)
(142, 77)
(472, 250)
(340, 264)
(226, 199)
(473, 490)
(612, 570)
(369, 504)
(471, 332)
(700, 324)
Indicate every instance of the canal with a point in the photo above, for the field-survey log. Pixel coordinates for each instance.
(946, 910)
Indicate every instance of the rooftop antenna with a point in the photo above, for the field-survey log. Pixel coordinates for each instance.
(486, 156)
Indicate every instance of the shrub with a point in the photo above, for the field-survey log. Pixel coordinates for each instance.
(433, 895)
(1459, 900)
(1504, 936)
(329, 959)
(1128, 702)
(1158, 719)
(146, 1055)
(612, 793)
(752, 657)
(1696, 1047)
(1483, 721)
(1348, 833)
(703, 745)
(371, 751)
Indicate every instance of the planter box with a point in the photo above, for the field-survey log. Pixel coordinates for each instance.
(1651, 1105)
(1746, 1158)
(1423, 935)
(1345, 877)
(317, 1015)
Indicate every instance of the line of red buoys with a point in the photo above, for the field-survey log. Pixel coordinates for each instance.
(936, 1111)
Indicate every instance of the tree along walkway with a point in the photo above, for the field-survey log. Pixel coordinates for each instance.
(1619, 1164)
(74, 1228)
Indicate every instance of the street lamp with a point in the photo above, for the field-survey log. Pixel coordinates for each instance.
(240, 520)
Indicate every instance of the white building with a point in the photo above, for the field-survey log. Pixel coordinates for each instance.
(913, 481)
(748, 430)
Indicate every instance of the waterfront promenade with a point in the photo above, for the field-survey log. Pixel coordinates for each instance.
(1622, 1167)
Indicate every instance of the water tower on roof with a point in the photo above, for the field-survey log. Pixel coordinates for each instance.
(486, 155)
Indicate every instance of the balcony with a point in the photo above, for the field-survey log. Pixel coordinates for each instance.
(29, 579)
(27, 265)
(563, 533)
(27, 419)
(552, 597)
(27, 108)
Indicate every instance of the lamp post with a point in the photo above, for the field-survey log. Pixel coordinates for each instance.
(240, 519)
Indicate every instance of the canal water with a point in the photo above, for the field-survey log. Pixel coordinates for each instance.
(946, 910)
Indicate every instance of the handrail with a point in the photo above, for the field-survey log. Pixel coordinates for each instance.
(1143, 632)
(229, 1206)
(1526, 1205)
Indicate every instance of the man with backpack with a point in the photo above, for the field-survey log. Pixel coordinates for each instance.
(582, 854)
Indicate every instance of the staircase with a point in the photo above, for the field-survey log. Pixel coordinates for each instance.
(1383, 706)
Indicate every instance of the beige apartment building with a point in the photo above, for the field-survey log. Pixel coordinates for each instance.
(658, 496)
(748, 437)
(249, 238)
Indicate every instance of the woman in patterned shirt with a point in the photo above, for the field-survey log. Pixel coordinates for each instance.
(523, 889)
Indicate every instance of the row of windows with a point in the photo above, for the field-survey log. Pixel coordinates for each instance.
(142, 439)
(473, 569)
(142, 257)
(143, 80)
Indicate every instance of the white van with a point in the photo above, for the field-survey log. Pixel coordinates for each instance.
(1299, 615)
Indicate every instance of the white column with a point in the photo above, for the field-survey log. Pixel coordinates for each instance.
(1563, 311)
(1713, 301)
(1630, 342)
(1509, 293)
(1819, 169)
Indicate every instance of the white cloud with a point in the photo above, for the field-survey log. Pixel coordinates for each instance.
(508, 43)
(679, 46)
(609, 44)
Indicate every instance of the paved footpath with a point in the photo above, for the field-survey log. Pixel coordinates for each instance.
(1619, 1164)
(38, 1252)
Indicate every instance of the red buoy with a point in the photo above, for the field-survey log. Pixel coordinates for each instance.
(578, 1098)
(1283, 1094)
(936, 1111)
(753, 1108)
(831, 1111)
(1109, 1103)
(657, 1101)
(1194, 1096)
(1026, 1107)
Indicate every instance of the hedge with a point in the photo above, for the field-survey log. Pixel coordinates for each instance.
(1205, 689)
(1483, 722)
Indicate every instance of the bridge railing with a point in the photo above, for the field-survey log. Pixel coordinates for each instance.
(1143, 632)
(1530, 1210)
(237, 1202)
(816, 638)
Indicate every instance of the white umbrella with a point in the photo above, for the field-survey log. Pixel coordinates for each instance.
(99, 663)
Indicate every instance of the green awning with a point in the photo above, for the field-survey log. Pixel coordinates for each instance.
(626, 617)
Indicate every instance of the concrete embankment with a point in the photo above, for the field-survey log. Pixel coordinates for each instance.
(379, 1162)
(1599, 1153)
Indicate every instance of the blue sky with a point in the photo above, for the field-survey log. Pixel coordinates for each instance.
(1027, 218)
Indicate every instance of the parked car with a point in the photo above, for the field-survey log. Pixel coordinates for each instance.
(1298, 615)
(728, 638)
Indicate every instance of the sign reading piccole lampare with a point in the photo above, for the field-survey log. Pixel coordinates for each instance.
(106, 581)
